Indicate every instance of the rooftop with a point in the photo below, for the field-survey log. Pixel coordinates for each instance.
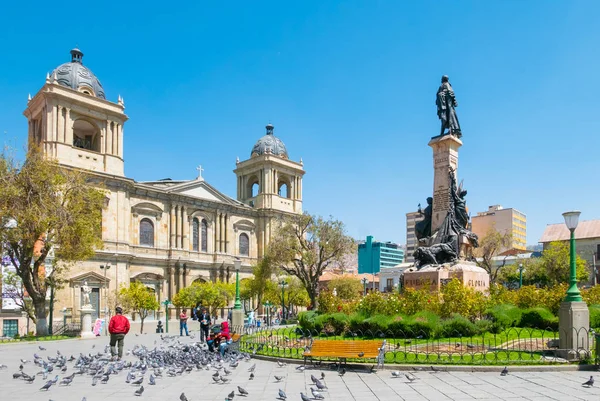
(560, 232)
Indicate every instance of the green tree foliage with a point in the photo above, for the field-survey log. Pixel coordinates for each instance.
(490, 246)
(550, 269)
(261, 284)
(296, 294)
(305, 245)
(46, 207)
(139, 299)
(347, 288)
(211, 295)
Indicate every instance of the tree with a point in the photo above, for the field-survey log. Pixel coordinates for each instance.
(260, 282)
(552, 268)
(346, 288)
(46, 207)
(212, 295)
(305, 245)
(490, 246)
(296, 293)
(139, 299)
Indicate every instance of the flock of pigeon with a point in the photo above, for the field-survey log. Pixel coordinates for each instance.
(171, 358)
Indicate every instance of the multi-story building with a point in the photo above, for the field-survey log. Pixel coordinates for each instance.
(412, 219)
(375, 255)
(502, 220)
(165, 233)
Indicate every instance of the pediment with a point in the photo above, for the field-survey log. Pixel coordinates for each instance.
(202, 190)
(92, 278)
(147, 209)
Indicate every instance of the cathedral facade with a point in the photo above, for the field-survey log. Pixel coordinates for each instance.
(166, 233)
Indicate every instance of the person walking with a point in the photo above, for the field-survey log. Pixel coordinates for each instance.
(205, 322)
(183, 318)
(118, 327)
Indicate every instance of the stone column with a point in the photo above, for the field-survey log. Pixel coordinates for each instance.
(68, 128)
(109, 137)
(172, 225)
(225, 233)
(60, 128)
(445, 155)
(178, 232)
(220, 231)
(120, 140)
(186, 230)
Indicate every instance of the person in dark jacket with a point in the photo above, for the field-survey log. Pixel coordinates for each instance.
(118, 328)
(205, 321)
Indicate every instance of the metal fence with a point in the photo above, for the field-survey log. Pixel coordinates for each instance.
(512, 346)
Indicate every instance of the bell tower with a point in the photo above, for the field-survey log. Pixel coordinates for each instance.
(73, 123)
(269, 179)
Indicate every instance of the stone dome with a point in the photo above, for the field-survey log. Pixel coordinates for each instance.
(269, 144)
(76, 76)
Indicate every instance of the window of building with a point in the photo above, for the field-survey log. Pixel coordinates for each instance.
(244, 244)
(146, 233)
(10, 327)
(86, 136)
(389, 284)
(204, 234)
(195, 234)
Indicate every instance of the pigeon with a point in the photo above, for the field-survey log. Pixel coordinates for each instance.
(139, 391)
(230, 396)
(104, 379)
(182, 397)
(410, 377)
(320, 385)
(151, 381)
(361, 354)
(242, 391)
(313, 378)
(29, 379)
(252, 368)
(278, 378)
(300, 368)
(3, 366)
(251, 376)
(47, 385)
(282, 395)
(225, 379)
(17, 375)
(342, 372)
(24, 361)
(304, 397)
(281, 364)
(433, 368)
(138, 381)
(322, 375)
(66, 381)
(395, 373)
(316, 394)
(41, 348)
(504, 371)
(216, 379)
(94, 381)
(589, 383)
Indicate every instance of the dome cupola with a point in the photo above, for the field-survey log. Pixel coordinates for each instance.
(269, 144)
(76, 76)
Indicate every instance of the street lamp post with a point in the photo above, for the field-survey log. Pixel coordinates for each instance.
(267, 306)
(520, 275)
(365, 281)
(573, 315)
(282, 284)
(166, 303)
(237, 315)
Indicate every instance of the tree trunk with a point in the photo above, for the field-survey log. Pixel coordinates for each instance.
(41, 325)
(313, 294)
(142, 324)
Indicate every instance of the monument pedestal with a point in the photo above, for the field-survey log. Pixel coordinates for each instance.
(237, 320)
(86, 321)
(573, 330)
(434, 277)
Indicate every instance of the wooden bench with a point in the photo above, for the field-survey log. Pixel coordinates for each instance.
(343, 350)
(235, 342)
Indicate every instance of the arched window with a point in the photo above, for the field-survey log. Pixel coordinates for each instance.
(244, 244)
(86, 136)
(204, 233)
(283, 190)
(195, 234)
(146, 233)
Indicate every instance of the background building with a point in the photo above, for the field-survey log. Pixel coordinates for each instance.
(503, 221)
(412, 219)
(390, 278)
(374, 255)
(587, 235)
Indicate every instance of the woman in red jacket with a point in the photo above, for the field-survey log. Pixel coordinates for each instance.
(118, 327)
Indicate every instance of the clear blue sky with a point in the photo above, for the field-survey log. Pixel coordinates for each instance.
(350, 87)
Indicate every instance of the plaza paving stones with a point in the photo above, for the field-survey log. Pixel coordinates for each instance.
(354, 385)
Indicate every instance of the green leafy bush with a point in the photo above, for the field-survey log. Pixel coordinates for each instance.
(424, 324)
(504, 316)
(539, 318)
(306, 320)
(375, 324)
(594, 316)
(399, 325)
(333, 323)
(458, 326)
(484, 326)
